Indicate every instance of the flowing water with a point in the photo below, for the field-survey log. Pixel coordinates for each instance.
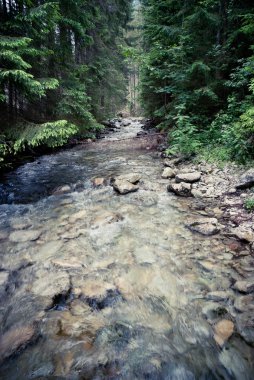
(95, 285)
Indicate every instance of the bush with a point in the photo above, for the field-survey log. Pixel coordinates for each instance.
(249, 204)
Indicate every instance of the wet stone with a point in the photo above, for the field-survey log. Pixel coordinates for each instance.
(16, 338)
(223, 330)
(50, 284)
(204, 226)
(244, 286)
(100, 181)
(77, 216)
(244, 303)
(168, 173)
(24, 236)
(124, 187)
(188, 177)
(180, 189)
(132, 178)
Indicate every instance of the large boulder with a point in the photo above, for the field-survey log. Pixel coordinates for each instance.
(181, 189)
(188, 177)
(246, 180)
(204, 226)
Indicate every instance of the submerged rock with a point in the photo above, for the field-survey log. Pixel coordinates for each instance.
(24, 236)
(223, 330)
(62, 190)
(244, 303)
(15, 339)
(181, 189)
(204, 226)
(188, 177)
(77, 216)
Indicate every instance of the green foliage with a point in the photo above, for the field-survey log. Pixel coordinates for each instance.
(50, 134)
(199, 59)
(249, 204)
(60, 60)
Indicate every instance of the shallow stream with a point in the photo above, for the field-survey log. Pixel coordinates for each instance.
(94, 285)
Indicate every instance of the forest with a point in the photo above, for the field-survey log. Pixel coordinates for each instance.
(61, 70)
(65, 67)
(198, 75)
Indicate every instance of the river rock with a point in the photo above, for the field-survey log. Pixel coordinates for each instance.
(244, 303)
(171, 162)
(24, 236)
(246, 180)
(188, 177)
(181, 189)
(95, 288)
(168, 173)
(126, 123)
(243, 234)
(15, 339)
(244, 286)
(204, 226)
(50, 284)
(62, 190)
(223, 330)
(98, 181)
(124, 187)
(19, 224)
(133, 178)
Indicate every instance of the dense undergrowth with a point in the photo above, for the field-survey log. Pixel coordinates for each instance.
(198, 75)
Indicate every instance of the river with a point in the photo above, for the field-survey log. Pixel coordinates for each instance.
(95, 285)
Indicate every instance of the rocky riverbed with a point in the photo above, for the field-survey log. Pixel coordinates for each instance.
(116, 264)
